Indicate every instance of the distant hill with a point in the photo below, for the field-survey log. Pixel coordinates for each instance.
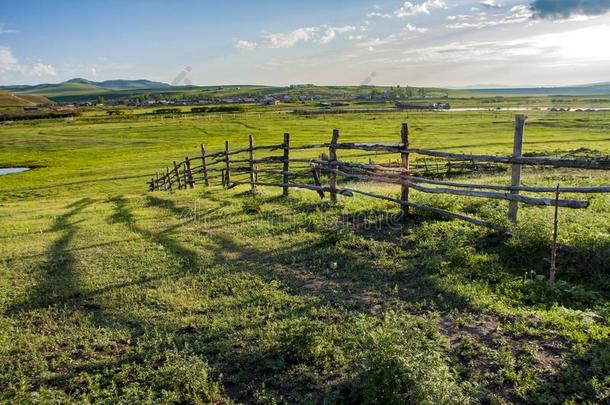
(123, 84)
(581, 90)
(83, 90)
(78, 86)
(8, 99)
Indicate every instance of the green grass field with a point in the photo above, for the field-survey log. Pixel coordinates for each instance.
(110, 294)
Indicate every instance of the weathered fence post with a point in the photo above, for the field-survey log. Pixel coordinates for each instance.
(513, 206)
(185, 176)
(169, 179)
(404, 191)
(152, 184)
(286, 169)
(228, 165)
(177, 169)
(251, 161)
(158, 186)
(332, 157)
(553, 272)
(315, 171)
(223, 178)
(188, 173)
(204, 167)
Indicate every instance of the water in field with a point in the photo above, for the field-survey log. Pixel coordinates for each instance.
(11, 170)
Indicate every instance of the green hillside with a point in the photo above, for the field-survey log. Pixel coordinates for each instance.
(8, 99)
(81, 90)
(65, 89)
(84, 87)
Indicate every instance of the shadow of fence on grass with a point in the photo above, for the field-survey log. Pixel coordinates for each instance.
(122, 214)
(301, 267)
(357, 286)
(57, 279)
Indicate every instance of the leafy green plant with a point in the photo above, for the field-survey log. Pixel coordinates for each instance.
(399, 363)
(252, 205)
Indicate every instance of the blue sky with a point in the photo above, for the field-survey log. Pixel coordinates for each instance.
(418, 42)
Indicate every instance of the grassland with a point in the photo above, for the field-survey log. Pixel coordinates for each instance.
(112, 294)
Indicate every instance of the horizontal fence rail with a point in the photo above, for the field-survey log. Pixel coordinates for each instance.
(230, 169)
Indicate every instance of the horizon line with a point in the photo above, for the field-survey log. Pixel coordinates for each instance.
(449, 87)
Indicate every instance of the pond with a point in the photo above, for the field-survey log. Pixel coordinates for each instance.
(10, 170)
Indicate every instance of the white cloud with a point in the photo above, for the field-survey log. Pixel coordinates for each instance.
(373, 43)
(331, 32)
(413, 28)
(280, 39)
(520, 11)
(491, 4)
(379, 15)
(41, 69)
(323, 34)
(10, 64)
(241, 44)
(516, 14)
(409, 9)
(583, 46)
(288, 39)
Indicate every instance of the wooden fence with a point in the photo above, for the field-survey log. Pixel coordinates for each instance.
(238, 167)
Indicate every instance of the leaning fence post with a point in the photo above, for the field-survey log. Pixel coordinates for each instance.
(177, 169)
(286, 169)
(332, 157)
(228, 165)
(404, 194)
(251, 161)
(204, 167)
(513, 206)
(187, 173)
(315, 171)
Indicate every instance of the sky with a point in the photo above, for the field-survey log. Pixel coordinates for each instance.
(385, 42)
